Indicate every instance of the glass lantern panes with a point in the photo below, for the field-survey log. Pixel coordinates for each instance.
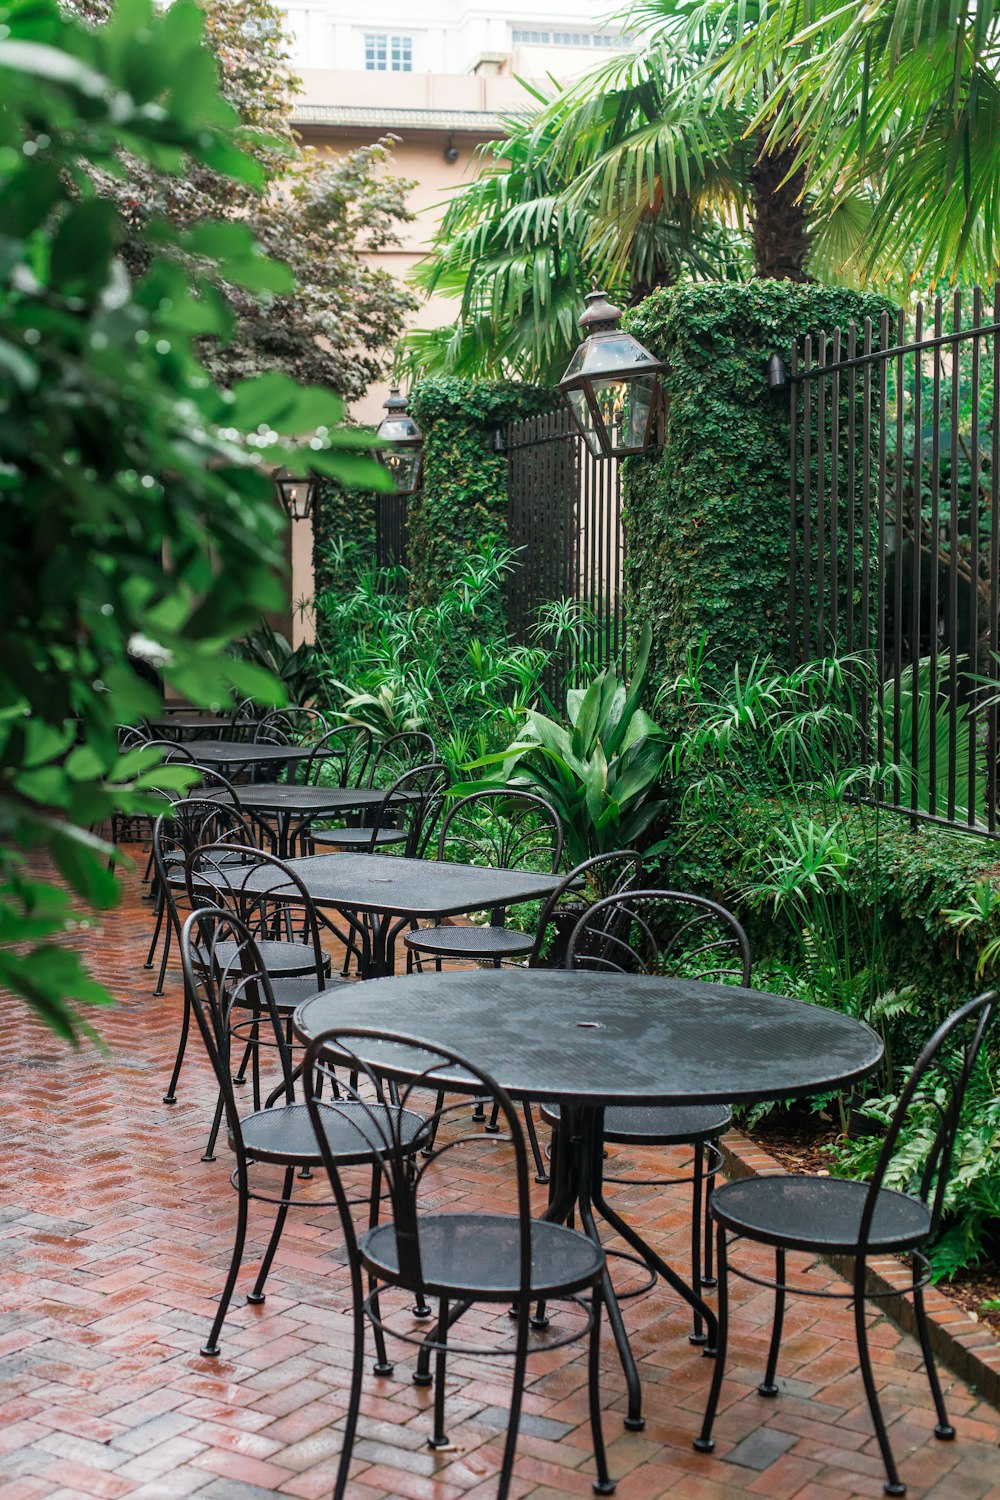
(611, 384)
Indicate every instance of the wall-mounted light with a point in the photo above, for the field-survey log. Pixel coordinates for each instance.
(611, 384)
(404, 443)
(451, 152)
(777, 375)
(297, 493)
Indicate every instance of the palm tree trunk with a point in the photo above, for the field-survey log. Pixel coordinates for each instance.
(780, 221)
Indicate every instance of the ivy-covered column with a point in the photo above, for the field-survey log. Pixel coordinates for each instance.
(463, 497)
(707, 516)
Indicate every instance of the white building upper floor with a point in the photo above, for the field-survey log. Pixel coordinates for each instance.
(534, 37)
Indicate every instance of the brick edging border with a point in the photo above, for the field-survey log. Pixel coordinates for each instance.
(965, 1347)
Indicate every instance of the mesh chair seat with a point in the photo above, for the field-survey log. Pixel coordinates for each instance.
(290, 990)
(279, 958)
(284, 1135)
(479, 1255)
(669, 1125)
(470, 942)
(353, 838)
(819, 1213)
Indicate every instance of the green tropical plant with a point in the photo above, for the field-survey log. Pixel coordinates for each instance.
(601, 771)
(297, 669)
(899, 93)
(923, 777)
(445, 667)
(972, 1199)
(137, 521)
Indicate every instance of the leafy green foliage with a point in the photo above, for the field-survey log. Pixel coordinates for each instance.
(463, 496)
(137, 515)
(707, 515)
(601, 770)
(391, 667)
(296, 669)
(972, 1199)
(327, 219)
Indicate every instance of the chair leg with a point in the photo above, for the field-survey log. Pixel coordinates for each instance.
(698, 1334)
(211, 1348)
(516, 1397)
(357, 1377)
(529, 1121)
(603, 1484)
(161, 906)
(382, 1365)
(708, 1273)
(943, 1428)
(163, 961)
(257, 1295)
(768, 1386)
(705, 1442)
(213, 1135)
(170, 1097)
(893, 1484)
(439, 1438)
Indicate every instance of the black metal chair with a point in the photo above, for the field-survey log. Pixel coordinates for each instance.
(404, 819)
(291, 726)
(514, 830)
(339, 757)
(274, 905)
(398, 754)
(837, 1216)
(223, 973)
(456, 1257)
(212, 786)
(666, 933)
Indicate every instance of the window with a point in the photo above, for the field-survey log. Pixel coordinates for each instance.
(565, 38)
(388, 54)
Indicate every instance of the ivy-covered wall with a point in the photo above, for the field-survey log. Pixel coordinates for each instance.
(463, 497)
(706, 517)
(342, 518)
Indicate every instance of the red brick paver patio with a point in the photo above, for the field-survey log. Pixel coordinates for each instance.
(115, 1237)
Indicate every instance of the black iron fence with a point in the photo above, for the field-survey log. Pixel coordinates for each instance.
(895, 539)
(390, 531)
(564, 518)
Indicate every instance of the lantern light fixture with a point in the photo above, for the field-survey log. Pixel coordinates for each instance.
(297, 493)
(403, 453)
(611, 384)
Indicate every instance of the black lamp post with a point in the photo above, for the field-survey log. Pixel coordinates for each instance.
(403, 454)
(297, 493)
(611, 384)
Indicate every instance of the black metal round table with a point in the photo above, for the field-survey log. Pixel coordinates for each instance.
(587, 1041)
(234, 755)
(294, 807)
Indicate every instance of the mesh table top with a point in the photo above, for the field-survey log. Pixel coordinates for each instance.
(232, 753)
(273, 797)
(413, 887)
(191, 722)
(606, 1039)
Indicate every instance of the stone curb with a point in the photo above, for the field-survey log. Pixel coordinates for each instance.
(965, 1347)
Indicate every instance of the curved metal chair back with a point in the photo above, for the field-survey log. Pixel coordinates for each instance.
(413, 802)
(506, 829)
(340, 757)
(172, 750)
(223, 974)
(952, 1052)
(188, 823)
(418, 1069)
(243, 719)
(260, 891)
(131, 735)
(601, 875)
(212, 780)
(291, 726)
(398, 754)
(661, 932)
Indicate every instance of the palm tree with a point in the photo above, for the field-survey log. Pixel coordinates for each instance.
(639, 173)
(902, 93)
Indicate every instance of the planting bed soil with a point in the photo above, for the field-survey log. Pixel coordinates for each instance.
(797, 1139)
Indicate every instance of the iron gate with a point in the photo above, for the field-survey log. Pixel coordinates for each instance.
(895, 539)
(564, 519)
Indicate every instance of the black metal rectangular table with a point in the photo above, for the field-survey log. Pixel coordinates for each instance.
(590, 1040)
(394, 891)
(294, 807)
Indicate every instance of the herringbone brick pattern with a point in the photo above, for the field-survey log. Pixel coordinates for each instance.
(115, 1237)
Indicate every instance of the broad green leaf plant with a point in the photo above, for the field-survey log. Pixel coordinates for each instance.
(601, 770)
(137, 519)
